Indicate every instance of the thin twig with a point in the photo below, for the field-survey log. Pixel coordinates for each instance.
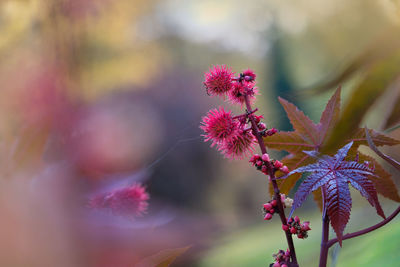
(366, 230)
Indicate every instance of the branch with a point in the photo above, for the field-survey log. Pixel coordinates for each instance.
(271, 172)
(366, 230)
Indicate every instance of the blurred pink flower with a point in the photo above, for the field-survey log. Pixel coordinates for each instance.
(131, 201)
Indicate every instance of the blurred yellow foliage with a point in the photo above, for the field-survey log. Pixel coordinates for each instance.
(95, 43)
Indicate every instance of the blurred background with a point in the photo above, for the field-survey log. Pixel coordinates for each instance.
(98, 95)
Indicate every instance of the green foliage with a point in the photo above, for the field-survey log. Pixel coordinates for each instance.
(253, 247)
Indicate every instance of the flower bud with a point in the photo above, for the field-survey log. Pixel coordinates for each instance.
(276, 264)
(293, 230)
(254, 158)
(262, 126)
(278, 164)
(274, 203)
(265, 157)
(305, 226)
(288, 202)
(271, 131)
(284, 169)
(267, 206)
(264, 169)
(297, 219)
(285, 227)
(268, 216)
(258, 118)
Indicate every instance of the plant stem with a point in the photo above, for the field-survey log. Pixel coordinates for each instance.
(366, 230)
(271, 172)
(323, 255)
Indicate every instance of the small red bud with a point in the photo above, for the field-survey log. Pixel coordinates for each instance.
(284, 169)
(278, 164)
(265, 157)
(267, 206)
(305, 226)
(259, 163)
(276, 264)
(258, 118)
(297, 219)
(300, 235)
(264, 169)
(284, 265)
(285, 227)
(262, 126)
(293, 230)
(271, 131)
(272, 211)
(254, 158)
(268, 216)
(274, 202)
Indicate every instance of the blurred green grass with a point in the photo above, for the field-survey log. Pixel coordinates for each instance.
(254, 247)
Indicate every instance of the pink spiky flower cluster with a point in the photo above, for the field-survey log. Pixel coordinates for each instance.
(221, 81)
(227, 133)
(219, 126)
(231, 134)
(129, 202)
(218, 81)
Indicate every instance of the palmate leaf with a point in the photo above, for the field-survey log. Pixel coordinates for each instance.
(333, 175)
(317, 137)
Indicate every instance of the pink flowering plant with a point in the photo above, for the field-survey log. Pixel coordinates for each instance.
(129, 202)
(333, 164)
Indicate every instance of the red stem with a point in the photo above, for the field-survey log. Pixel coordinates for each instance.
(366, 230)
(323, 255)
(271, 172)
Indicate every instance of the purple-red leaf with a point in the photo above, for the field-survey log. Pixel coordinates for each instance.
(309, 139)
(338, 205)
(303, 124)
(329, 116)
(334, 175)
(367, 190)
(381, 179)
